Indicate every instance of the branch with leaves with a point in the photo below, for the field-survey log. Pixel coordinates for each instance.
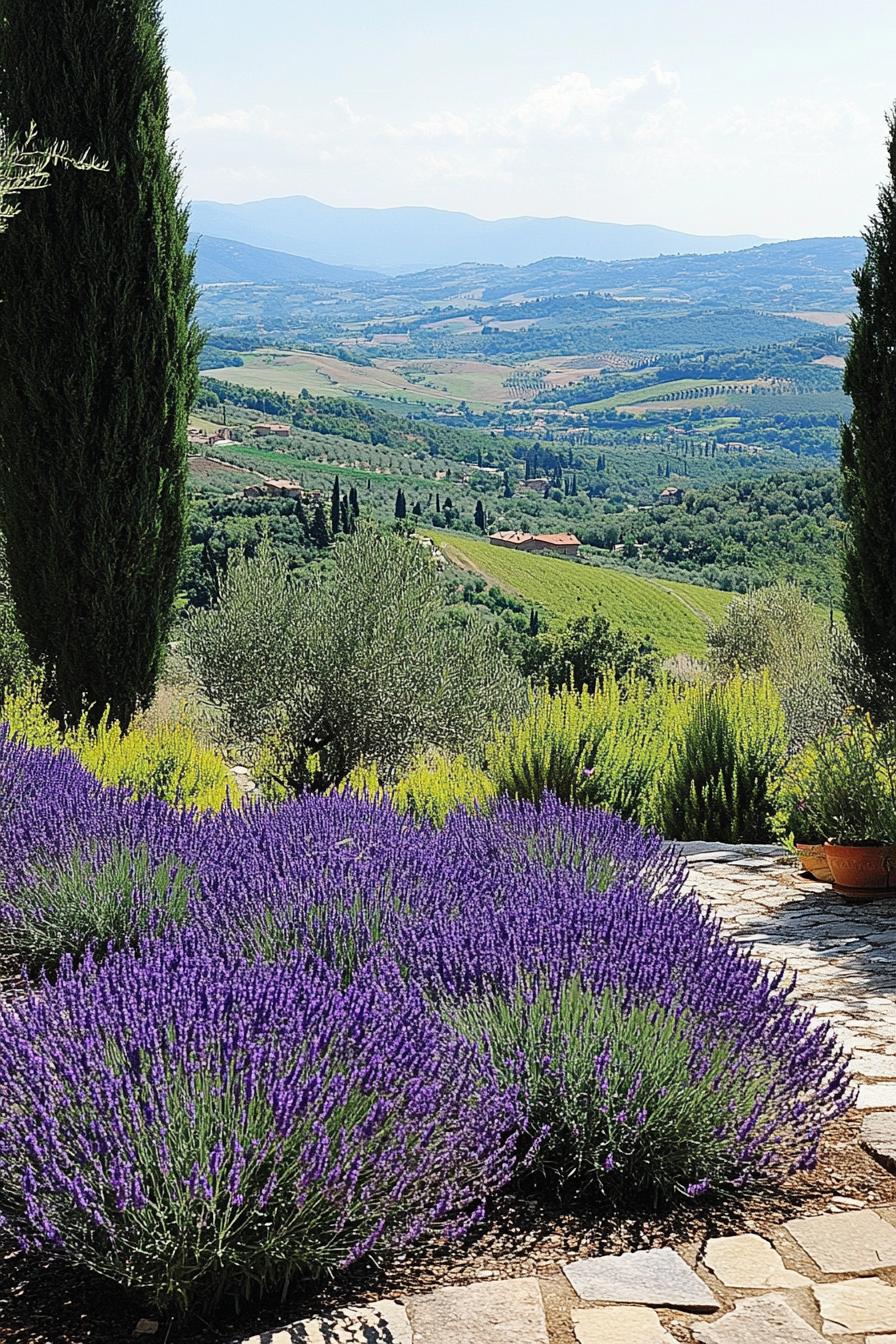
(25, 166)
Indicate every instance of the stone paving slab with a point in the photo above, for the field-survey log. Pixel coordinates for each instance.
(658, 1278)
(856, 1306)
(758, 1320)
(619, 1325)
(867, 1065)
(879, 1137)
(846, 1243)
(384, 1322)
(510, 1311)
(877, 1097)
(749, 1261)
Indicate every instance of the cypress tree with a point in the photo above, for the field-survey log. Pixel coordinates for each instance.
(479, 515)
(346, 518)
(98, 353)
(401, 507)
(354, 502)
(869, 457)
(335, 510)
(318, 532)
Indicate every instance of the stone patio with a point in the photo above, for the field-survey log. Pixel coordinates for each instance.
(823, 1278)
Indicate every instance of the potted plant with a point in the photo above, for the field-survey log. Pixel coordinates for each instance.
(850, 798)
(791, 824)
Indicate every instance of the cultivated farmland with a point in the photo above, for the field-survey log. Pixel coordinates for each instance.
(675, 615)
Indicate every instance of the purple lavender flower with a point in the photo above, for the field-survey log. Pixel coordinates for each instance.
(558, 942)
(187, 1122)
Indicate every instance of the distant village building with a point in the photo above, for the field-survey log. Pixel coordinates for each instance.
(198, 438)
(279, 431)
(283, 489)
(673, 494)
(539, 483)
(550, 543)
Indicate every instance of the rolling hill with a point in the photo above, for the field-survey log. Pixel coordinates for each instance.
(225, 261)
(411, 238)
(675, 616)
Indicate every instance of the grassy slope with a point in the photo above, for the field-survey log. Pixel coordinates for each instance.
(655, 390)
(674, 615)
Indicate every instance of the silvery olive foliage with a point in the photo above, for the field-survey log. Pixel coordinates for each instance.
(354, 663)
(801, 645)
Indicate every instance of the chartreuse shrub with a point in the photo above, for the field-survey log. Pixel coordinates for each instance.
(368, 1024)
(726, 750)
(600, 748)
(699, 762)
(432, 788)
(168, 761)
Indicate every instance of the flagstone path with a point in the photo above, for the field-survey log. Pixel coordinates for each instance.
(829, 1277)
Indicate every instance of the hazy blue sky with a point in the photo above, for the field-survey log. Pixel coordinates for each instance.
(700, 115)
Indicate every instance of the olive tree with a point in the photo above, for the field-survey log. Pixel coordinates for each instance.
(355, 663)
(783, 630)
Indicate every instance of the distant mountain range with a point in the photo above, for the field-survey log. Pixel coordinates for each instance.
(411, 238)
(809, 273)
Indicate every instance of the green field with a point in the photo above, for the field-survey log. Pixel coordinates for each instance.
(321, 375)
(675, 615)
(433, 381)
(651, 393)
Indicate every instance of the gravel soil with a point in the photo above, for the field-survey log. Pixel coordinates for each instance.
(43, 1303)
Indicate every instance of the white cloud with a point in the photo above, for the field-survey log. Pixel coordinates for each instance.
(186, 116)
(573, 105)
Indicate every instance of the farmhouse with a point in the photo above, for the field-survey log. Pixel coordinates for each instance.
(283, 489)
(539, 483)
(281, 431)
(551, 543)
(673, 494)
(197, 438)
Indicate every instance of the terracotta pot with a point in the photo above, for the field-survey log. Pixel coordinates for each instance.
(814, 861)
(862, 867)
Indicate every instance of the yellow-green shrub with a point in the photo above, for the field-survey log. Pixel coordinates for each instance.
(167, 761)
(435, 786)
(695, 761)
(726, 750)
(600, 748)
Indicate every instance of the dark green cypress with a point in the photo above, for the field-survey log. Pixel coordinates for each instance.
(401, 507)
(479, 515)
(98, 353)
(318, 531)
(869, 457)
(354, 502)
(335, 510)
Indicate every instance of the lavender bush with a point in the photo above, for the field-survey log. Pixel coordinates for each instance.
(388, 989)
(190, 1124)
(85, 900)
